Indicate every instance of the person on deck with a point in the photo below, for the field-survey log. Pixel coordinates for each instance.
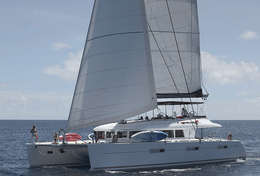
(184, 112)
(55, 138)
(114, 138)
(34, 133)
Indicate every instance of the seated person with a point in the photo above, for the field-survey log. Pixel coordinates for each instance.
(184, 112)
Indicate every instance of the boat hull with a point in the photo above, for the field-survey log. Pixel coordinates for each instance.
(163, 154)
(57, 154)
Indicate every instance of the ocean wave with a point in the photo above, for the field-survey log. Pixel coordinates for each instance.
(253, 158)
(7, 172)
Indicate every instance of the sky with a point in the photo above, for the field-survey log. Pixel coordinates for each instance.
(41, 44)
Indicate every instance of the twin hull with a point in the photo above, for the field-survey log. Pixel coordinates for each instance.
(58, 154)
(120, 156)
(162, 154)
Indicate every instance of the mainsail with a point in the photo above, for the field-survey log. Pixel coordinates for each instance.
(175, 47)
(115, 80)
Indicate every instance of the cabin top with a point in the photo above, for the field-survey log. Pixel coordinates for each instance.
(158, 124)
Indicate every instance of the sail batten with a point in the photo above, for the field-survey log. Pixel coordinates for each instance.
(114, 34)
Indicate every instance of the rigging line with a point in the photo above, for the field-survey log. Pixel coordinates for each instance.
(163, 60)
(179, 54)
(178, 49)
(191, 39)
(163, 57)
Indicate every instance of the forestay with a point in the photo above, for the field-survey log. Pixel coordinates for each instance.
(116, 78)
(173, 25)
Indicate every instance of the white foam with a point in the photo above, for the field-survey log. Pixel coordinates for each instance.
(228, 165)
(145, 172)
(181, 170)
(170, 170)
(240, 161)
(115, 172)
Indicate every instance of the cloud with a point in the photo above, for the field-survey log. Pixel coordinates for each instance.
(60, 45)
(3, 85)
(249, 35)
(67, 70)
(253, 100)
(31, 105)
(244, 109)
(222, 71)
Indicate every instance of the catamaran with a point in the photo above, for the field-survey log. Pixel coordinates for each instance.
(139, 56)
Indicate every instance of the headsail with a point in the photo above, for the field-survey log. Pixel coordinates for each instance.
(115, 79)
(175, 47)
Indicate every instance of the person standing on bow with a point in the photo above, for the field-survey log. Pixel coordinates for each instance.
(34, 133)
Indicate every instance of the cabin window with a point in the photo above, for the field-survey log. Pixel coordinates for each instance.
(110, 134)
(179, 133)
(122, 134)
(100, 134)
(131, 133)
(170, 133)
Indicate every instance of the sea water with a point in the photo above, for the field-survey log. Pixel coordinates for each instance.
(15, 134)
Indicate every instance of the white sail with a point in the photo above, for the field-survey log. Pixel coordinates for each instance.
(175, 45)
(116, 78)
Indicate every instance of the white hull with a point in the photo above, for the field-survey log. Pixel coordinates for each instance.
(121, 156)
(48, 154)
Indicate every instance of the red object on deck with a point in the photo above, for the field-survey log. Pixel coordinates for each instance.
(71, 137)
(179, 117)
